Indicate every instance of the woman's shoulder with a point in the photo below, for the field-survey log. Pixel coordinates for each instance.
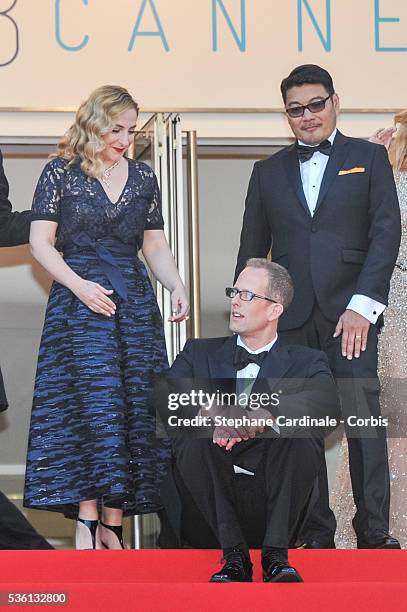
(62, 169)
(56, 165)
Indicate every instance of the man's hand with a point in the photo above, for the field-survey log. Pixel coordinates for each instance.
(354, 329)
(223, 435)
(228, 436)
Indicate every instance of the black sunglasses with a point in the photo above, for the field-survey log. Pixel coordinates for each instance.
(246, 296)
(314, 107)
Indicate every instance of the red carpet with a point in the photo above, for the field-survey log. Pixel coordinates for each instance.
(348, 580)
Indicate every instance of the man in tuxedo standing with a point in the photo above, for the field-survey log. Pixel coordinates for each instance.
(327, 207)
(206, 500)
(15, 531)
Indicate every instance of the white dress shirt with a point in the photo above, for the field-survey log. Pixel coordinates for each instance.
(312, 172)
(251, 371)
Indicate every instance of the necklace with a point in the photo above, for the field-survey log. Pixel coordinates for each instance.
(106, 174)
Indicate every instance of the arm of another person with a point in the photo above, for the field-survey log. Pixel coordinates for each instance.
(14, 226)
(255, 237)
(371, 292)
(93, 295)
(383, 136)
(161, 262)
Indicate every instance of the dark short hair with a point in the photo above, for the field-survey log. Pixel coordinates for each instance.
(281, 286)
(307, 74)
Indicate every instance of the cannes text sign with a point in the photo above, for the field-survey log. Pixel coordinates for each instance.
(200, 53)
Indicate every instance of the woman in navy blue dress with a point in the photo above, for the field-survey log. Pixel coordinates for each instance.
(93, 452)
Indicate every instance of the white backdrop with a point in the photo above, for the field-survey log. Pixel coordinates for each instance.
(200, 53)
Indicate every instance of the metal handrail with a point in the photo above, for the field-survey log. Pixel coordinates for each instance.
(193, 214)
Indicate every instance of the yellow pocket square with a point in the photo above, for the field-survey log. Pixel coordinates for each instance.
(351, 171)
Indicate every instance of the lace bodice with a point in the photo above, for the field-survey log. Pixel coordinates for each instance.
(78, 202)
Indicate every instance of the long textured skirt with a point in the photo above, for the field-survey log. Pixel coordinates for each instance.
(93, 429)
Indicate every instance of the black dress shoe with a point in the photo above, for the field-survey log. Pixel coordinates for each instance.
(237, 568)
(318, 544)
(380, 539)
(275, 570)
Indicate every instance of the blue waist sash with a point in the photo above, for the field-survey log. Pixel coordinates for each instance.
(105, 249)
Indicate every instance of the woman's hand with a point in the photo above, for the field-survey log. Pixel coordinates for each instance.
(179, 305)
(383, 136)
(95, 297)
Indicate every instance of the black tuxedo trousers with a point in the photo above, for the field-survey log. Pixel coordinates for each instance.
(266, 509)
(359, 391)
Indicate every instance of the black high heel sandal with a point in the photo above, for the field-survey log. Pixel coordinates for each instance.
(116, 529)
(92, 526)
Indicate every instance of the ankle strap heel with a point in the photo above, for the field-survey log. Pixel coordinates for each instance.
(92, 526)
(116, 529)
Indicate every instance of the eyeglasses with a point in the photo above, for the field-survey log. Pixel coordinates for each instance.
(246, 296)
(314, 107)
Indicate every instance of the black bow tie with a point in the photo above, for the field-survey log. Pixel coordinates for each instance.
(242, 358)
(305, 153)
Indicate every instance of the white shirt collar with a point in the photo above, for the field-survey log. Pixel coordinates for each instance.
(331, 140)
(267, 347)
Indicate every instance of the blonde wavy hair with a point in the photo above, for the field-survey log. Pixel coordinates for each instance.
(398, 149)
(94, 118)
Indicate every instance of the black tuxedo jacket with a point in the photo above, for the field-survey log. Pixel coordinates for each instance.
(351, 243)
(299, 375)
(14, 230)
(14, 226)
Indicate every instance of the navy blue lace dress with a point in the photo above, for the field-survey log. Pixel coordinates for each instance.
(93, 431)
